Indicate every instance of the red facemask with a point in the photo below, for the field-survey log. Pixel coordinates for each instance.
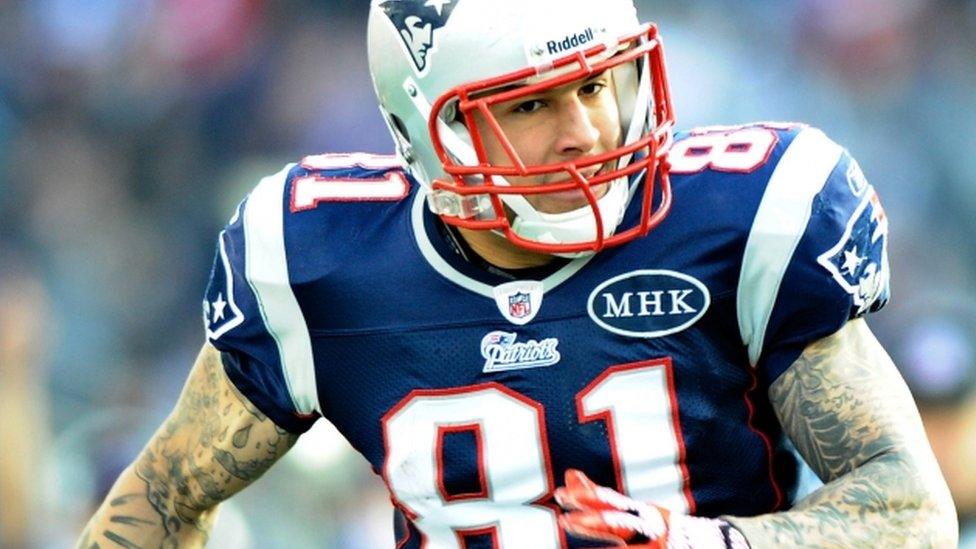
(644, 156)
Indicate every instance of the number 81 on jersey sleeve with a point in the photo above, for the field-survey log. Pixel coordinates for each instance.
(728, 149)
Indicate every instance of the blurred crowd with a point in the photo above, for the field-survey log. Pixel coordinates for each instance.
(129, 130)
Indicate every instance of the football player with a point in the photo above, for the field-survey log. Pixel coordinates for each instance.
(550, 320)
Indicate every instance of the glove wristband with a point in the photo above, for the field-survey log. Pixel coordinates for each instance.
(687, 532)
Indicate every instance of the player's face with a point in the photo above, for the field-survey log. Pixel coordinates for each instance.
(556, 126)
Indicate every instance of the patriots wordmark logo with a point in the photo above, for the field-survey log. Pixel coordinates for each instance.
(417, 22)
(501, 352)
(859, 262)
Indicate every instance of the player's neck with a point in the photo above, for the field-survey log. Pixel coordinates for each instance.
(501, 253)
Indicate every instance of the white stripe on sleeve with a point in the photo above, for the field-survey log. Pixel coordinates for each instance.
(267, 273)
(780, 223)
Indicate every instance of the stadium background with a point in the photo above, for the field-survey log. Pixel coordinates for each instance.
(129, 129)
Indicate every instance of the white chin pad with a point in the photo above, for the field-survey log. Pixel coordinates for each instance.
(573, 227)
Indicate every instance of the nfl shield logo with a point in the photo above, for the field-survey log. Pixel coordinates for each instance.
(519, 305)
(519, 300)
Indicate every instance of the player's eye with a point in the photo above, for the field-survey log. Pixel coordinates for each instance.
(592, 88)
(529, 106)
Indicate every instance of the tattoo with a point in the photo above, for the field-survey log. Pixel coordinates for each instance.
(203, 473)
(120, 541)
(241, 436)
(129, 521)
(852, 418)
(124, 499)
(836, 408)
(213, 445)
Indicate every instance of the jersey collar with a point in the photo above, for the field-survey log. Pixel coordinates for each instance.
(438, 252)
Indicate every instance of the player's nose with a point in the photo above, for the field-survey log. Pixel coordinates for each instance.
(577, 132)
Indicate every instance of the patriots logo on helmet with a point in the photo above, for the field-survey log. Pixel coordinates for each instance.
(417, 21)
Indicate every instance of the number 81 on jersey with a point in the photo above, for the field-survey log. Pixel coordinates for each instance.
(636, 402)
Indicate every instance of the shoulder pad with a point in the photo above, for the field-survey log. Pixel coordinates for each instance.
(816, 253)
(250, 310)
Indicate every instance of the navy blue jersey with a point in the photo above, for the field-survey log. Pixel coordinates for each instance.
(336, 293)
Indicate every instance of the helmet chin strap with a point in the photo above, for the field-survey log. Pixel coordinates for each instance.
(580, 225)
(570, 227)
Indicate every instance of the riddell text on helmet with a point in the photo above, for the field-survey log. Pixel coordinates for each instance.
(572, 41)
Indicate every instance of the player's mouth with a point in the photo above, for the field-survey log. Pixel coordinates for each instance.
(573, 199)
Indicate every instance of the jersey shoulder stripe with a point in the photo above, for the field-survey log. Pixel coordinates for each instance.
(266, 269)
(779, 224)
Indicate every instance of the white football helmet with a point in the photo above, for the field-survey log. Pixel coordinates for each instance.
(436, 62)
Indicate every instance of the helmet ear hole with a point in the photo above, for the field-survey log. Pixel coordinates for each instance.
(400, 128)
(401, 136)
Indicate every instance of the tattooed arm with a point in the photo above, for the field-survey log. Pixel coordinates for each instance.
(212, 445)
(851, 416)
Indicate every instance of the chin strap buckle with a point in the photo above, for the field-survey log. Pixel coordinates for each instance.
(450, 204)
